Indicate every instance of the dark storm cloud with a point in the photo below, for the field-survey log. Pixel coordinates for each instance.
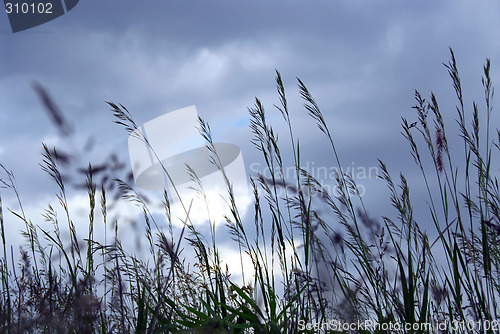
(361, 60)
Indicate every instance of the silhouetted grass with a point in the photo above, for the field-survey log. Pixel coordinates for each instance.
(317, 256)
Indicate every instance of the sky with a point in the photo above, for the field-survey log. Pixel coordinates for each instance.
(361, 60)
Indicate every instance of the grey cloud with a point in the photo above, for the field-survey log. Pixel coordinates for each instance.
(362, 62)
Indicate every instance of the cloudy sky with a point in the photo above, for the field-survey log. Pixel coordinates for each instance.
(362, 60)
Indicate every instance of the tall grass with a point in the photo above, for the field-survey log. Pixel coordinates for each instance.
(321, 262)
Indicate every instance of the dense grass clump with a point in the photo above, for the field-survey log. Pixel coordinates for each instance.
(321, 262)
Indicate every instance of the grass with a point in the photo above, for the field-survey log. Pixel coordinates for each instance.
(317, 257)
